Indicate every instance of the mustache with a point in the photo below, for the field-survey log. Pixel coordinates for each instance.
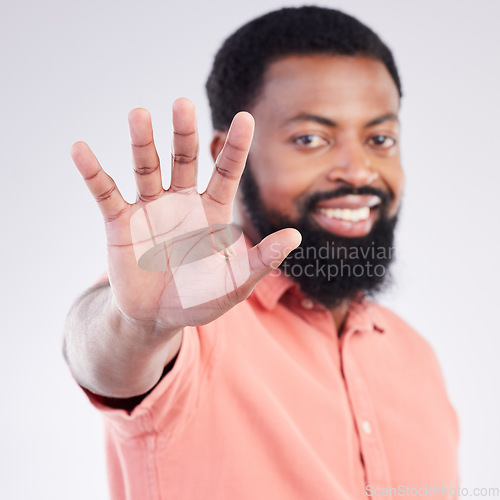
(347, 190)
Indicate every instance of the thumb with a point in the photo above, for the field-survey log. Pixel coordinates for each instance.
(272, 250)
(269, 254)
(264, 258)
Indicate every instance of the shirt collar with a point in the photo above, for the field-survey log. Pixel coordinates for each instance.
(270, 289)
(363, 314)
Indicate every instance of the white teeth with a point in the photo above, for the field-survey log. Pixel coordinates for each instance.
(347, 214)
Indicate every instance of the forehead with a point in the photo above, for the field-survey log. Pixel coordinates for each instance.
(336, 86)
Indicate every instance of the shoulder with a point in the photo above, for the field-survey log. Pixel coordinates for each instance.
(405, 349)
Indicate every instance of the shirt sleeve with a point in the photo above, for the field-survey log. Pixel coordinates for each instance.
(171, 403)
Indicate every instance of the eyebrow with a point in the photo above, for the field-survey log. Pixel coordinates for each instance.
(306, 117)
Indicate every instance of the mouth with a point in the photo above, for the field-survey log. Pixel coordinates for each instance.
(351, 216)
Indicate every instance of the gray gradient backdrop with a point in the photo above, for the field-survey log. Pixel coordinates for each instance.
(72, 70)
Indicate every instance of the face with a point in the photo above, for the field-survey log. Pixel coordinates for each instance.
(325, 159)
(324, 123)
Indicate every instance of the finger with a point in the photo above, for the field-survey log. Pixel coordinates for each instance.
(272, 251)
(146, 161)
(231, 160)
(184, 145)
(100, 184)
(267, 256)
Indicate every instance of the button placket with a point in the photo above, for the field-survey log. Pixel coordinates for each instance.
(375, 462)
(366, 427)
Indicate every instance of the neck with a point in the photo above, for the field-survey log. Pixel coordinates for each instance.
(339, 314)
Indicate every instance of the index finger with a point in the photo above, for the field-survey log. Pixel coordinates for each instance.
(231, 160)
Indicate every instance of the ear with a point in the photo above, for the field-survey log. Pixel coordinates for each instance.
(218, 141)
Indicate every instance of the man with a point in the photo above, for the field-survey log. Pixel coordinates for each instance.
(224, 372)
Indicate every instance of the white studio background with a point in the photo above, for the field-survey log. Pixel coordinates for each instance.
(72, 70)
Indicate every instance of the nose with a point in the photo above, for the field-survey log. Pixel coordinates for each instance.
(351, 164)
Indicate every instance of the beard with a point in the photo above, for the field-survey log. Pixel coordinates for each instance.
(329, 268)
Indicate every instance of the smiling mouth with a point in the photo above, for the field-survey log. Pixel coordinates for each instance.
(349, 216)
(346, 214)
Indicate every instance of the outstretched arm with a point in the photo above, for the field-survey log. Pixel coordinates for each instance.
(173, 258)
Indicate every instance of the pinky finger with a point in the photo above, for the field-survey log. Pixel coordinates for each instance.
(100, 184)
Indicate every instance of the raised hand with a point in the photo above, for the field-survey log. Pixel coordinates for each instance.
(173, 258)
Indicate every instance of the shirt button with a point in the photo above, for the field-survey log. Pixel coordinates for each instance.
(366, 427)
(307, 303)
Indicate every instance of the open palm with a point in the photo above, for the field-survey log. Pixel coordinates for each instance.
(173, 258)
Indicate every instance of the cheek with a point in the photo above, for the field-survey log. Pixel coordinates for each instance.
(282, 183)
(396, 184)
(283, 191)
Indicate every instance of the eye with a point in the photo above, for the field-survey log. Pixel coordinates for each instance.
(310, 141)
(382, 141)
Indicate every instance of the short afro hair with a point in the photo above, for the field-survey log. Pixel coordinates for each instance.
(238, 71)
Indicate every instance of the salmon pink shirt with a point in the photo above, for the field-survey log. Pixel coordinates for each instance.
(269, 402)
